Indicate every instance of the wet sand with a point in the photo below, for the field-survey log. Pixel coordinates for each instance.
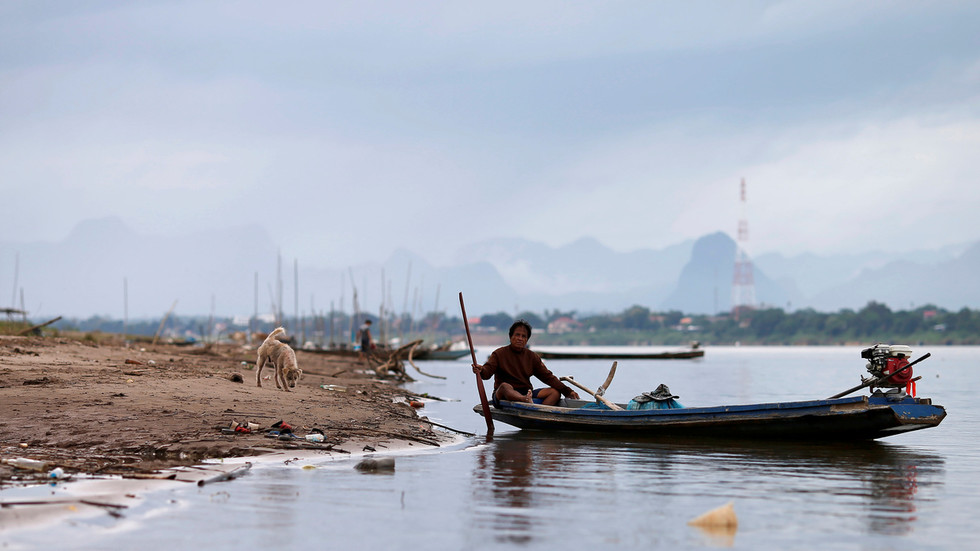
(95, 407)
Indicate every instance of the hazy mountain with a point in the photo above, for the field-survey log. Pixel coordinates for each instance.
(584, 275)
(812, 273)
(705, 283)
(944, 277)
(84, 274)
(513, 275)
(238, 271)
(419, 287)
(905, 283)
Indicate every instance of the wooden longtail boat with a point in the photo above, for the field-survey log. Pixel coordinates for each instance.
(855, 418)
(883, 413)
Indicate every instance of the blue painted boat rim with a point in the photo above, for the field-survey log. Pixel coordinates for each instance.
(744, 408)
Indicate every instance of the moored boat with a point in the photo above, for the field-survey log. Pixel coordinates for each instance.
(892, 408)
(854, 418)
(583, 355)
(439, 354)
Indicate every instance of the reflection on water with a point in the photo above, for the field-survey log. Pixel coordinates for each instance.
(504, 470)
(525, 485)
(538, 491)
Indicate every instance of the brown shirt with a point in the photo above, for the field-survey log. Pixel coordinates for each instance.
(507, 365)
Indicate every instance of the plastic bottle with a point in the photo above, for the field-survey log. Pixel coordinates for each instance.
(314, 437)
(57, 473)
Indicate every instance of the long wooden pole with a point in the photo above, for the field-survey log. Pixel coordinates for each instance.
(36, 327)
(479, 380)
(163, 322)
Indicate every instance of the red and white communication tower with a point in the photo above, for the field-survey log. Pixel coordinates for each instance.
(743, 284)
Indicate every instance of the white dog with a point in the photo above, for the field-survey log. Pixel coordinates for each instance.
(282, 358)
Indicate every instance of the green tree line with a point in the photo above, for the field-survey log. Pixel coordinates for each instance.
(636, 325)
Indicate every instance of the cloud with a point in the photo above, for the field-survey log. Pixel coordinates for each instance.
(889, 186)
(352, 129)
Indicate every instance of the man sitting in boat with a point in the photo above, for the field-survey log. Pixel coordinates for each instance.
(512, 366)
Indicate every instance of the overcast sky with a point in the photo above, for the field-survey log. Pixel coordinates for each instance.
(349, 129)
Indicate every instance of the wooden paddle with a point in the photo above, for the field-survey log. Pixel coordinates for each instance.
(479, 380)
(598, 397)
(601, 391)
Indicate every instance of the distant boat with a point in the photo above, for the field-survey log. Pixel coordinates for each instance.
(439, 354)
(450, 350)
(599, 355)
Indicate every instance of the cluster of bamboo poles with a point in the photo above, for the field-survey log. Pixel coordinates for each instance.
(332, 323)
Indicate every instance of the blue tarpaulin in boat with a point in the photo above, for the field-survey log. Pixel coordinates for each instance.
(653, 404)
(661, 398)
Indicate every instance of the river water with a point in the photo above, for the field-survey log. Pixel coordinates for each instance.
(524, 490)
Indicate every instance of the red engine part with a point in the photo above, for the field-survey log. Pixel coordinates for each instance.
(893, 365)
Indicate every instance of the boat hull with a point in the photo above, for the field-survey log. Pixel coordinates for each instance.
(856, 418)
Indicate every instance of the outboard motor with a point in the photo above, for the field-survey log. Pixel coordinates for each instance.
(884, 359)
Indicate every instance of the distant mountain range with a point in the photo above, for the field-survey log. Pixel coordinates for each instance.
(84, 276)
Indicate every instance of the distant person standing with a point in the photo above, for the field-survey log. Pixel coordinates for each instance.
(366, 342)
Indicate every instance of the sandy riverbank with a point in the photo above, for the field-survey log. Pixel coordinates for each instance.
(105, 408)
(121, 421)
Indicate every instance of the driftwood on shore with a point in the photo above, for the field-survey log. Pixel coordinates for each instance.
(411, 351)
(385, 362)
(163, 322)
(229, 475)
(30, 330)
(431, 422)
(394, 364)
